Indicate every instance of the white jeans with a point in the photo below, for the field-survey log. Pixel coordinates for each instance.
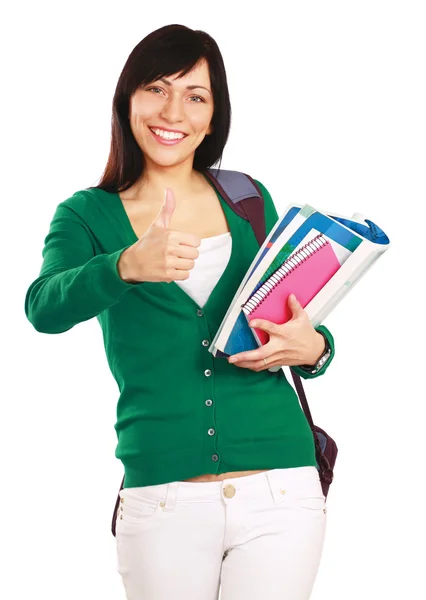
(255, 537)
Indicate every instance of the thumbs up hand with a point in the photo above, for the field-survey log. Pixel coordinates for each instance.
(161, 254)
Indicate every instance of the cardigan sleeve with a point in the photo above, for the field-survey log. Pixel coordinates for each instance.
(74, 283)
(271, 217)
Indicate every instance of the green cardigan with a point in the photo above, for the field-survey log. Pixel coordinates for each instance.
(181, 412)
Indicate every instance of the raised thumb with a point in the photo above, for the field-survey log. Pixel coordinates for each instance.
(164, 216)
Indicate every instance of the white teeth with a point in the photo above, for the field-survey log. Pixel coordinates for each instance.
(168, 135)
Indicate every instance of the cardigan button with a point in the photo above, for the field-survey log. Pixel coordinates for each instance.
(215, 458)
(205, 342)
(209, 402)
(200, 313)
(207, 372)
(211, 432)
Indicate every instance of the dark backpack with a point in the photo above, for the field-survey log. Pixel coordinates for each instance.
(245, 198)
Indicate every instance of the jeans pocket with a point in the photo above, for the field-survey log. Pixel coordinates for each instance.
(304, 492)
(135, 508)
(312, 502)
(309, 495)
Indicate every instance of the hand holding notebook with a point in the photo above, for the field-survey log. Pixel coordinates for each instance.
(316, 256)
(303, 274)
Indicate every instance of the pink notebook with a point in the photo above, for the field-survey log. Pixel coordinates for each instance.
(304, 273)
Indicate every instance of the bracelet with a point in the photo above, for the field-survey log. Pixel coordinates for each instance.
(313, 369)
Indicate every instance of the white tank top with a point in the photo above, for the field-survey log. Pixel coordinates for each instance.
(209, 266)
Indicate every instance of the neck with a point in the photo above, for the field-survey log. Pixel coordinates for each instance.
(182, 179)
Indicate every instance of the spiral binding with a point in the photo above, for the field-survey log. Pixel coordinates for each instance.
(288, 266)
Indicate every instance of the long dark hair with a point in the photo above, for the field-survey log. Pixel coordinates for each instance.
(169, 50)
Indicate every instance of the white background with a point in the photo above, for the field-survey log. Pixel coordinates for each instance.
(328, 108)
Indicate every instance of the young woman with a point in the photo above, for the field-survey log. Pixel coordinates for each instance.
(221, 485)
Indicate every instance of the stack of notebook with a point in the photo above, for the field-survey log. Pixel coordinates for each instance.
(317, 257)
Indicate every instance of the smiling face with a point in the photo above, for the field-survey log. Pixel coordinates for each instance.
(170, 117)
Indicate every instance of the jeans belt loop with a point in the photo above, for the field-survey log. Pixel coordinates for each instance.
(171, 495)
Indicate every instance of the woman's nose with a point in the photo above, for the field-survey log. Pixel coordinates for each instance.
(173, 109)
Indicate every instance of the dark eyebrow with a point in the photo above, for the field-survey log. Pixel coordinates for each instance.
(189, 87)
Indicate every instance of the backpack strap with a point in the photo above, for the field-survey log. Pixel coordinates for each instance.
(243, 195)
